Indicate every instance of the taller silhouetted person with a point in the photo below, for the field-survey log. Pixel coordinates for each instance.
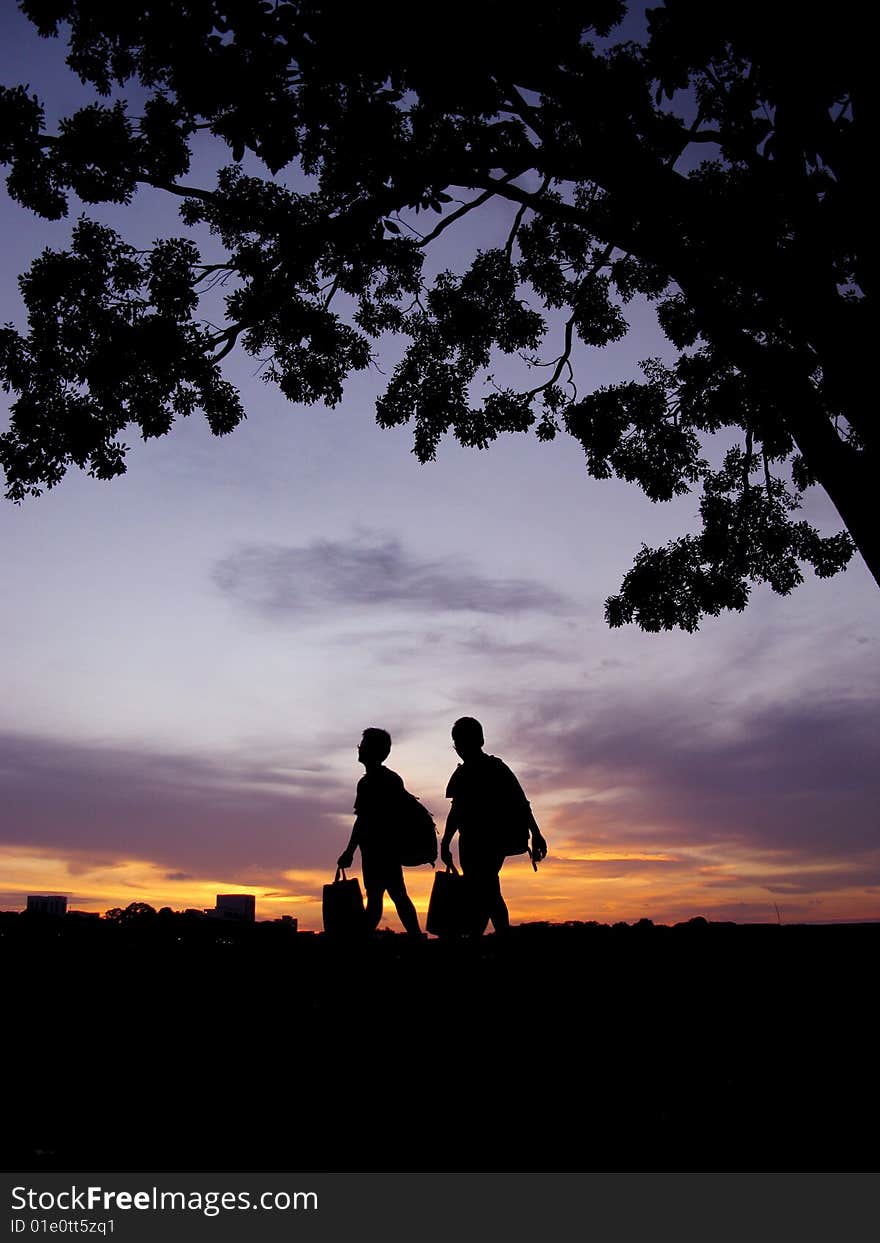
(489, 810)
(376, 808)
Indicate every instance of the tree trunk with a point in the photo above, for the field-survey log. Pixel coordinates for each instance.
(847, 475)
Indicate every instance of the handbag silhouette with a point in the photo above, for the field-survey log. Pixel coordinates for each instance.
(343, 906)
(448, 908)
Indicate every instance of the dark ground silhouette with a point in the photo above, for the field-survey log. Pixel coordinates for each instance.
(173, 1043)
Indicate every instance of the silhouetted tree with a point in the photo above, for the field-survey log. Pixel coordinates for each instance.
(719, 168)
(129, 914)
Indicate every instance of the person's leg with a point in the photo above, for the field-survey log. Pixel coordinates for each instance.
(498, 911)
(478, 903)
(374, 884)
(480, 896)
(484, 891)
(396, 887)
(476, 872)
(373, 911)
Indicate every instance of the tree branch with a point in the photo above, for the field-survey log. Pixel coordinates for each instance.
(230, 336)
(530, 198)
(511, 237)
(331, 291)
(767, 478)
(560, 362)
(526, 111)
(703, 135)
(185, 192)
(465, 208)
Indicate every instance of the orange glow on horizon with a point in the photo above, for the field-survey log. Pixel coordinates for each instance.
(619, 856)
(602, 885)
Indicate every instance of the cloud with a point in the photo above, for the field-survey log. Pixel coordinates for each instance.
(447, 648)
(478, 641)
(790, 783)
(280, 582)
(189, 815)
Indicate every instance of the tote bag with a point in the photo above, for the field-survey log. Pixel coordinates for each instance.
(343, 906)
(447, 909)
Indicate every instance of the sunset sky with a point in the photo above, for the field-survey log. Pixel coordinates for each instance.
(191, 652)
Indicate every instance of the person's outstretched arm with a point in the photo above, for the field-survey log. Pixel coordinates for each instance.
(346, 859)
(448, 833)
(539, 844)
(538, 848)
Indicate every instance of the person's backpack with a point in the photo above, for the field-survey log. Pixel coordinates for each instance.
(415, 832)
(511, 813)
(513, 834)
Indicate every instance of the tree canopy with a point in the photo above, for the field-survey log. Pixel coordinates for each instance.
(718, 166)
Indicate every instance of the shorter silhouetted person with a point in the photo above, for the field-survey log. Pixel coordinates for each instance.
(376, 806)
(486, 799)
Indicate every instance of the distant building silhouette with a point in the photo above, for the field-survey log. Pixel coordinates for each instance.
(46, 904)
(241, 906)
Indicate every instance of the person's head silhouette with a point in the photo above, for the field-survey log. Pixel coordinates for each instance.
(467, 737)
(374, 747)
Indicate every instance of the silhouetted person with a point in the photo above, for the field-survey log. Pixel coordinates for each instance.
(376, 805)
(485, 796)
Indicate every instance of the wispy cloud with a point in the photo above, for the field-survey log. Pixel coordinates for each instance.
(797, 782)
(368, 571)
(188, 814)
